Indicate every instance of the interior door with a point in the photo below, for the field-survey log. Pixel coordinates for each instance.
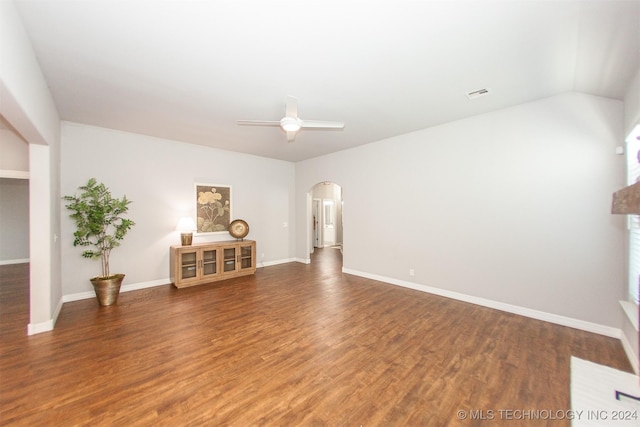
(315, 212)
(328, 230)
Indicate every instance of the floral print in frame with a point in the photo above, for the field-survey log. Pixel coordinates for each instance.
(213, 208)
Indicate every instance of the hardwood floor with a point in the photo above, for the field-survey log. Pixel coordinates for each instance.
(294, 345)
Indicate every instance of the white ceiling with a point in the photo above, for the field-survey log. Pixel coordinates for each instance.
(187, 70)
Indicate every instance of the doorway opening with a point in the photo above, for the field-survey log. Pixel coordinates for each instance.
(327, 229)
(14, 229)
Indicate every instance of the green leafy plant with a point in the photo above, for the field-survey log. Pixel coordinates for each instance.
(99, 221)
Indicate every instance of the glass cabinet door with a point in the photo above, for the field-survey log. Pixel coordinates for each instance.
(209, 262)
(229, 259)
(246, 257)
(188, 265)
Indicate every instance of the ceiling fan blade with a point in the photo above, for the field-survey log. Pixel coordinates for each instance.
(317, 124)
(258, 122)
(292, 107)
(291, 136)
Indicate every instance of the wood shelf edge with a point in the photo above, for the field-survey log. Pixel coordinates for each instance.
(627, 200)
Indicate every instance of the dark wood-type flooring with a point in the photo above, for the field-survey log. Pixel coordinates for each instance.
(294, 345)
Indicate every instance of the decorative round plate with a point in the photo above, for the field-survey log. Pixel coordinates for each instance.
(238, 228)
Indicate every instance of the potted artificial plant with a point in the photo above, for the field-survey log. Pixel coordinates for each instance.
(100, 225)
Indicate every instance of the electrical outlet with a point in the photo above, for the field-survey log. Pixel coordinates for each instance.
(412, 272)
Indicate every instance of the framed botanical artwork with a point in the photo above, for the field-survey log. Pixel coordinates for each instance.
(213, 208)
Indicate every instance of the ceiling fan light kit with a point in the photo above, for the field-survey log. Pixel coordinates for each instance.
(291, 123)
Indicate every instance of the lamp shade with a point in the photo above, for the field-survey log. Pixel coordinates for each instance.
(186, 224)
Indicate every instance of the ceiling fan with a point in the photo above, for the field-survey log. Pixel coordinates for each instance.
(291, 123)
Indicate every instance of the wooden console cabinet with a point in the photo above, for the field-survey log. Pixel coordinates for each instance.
(209, 262)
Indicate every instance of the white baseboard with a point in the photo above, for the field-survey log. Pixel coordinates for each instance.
(14, 261)
(78, 296)
(125, 288)
(303, 260)
(145, 285)
(522, 311)
(37, 328)
(7, 173)
(281, 261)
(56, 313)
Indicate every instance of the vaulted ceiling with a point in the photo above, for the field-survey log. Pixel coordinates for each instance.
(187, 70)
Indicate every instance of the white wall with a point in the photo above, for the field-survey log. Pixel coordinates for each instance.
(511, 206)
(158, 175)
(14, 220)
(14, 151)
(632, 104)
(26, 101)
(28, 107)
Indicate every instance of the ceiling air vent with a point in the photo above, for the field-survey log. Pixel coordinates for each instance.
(478, 93)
